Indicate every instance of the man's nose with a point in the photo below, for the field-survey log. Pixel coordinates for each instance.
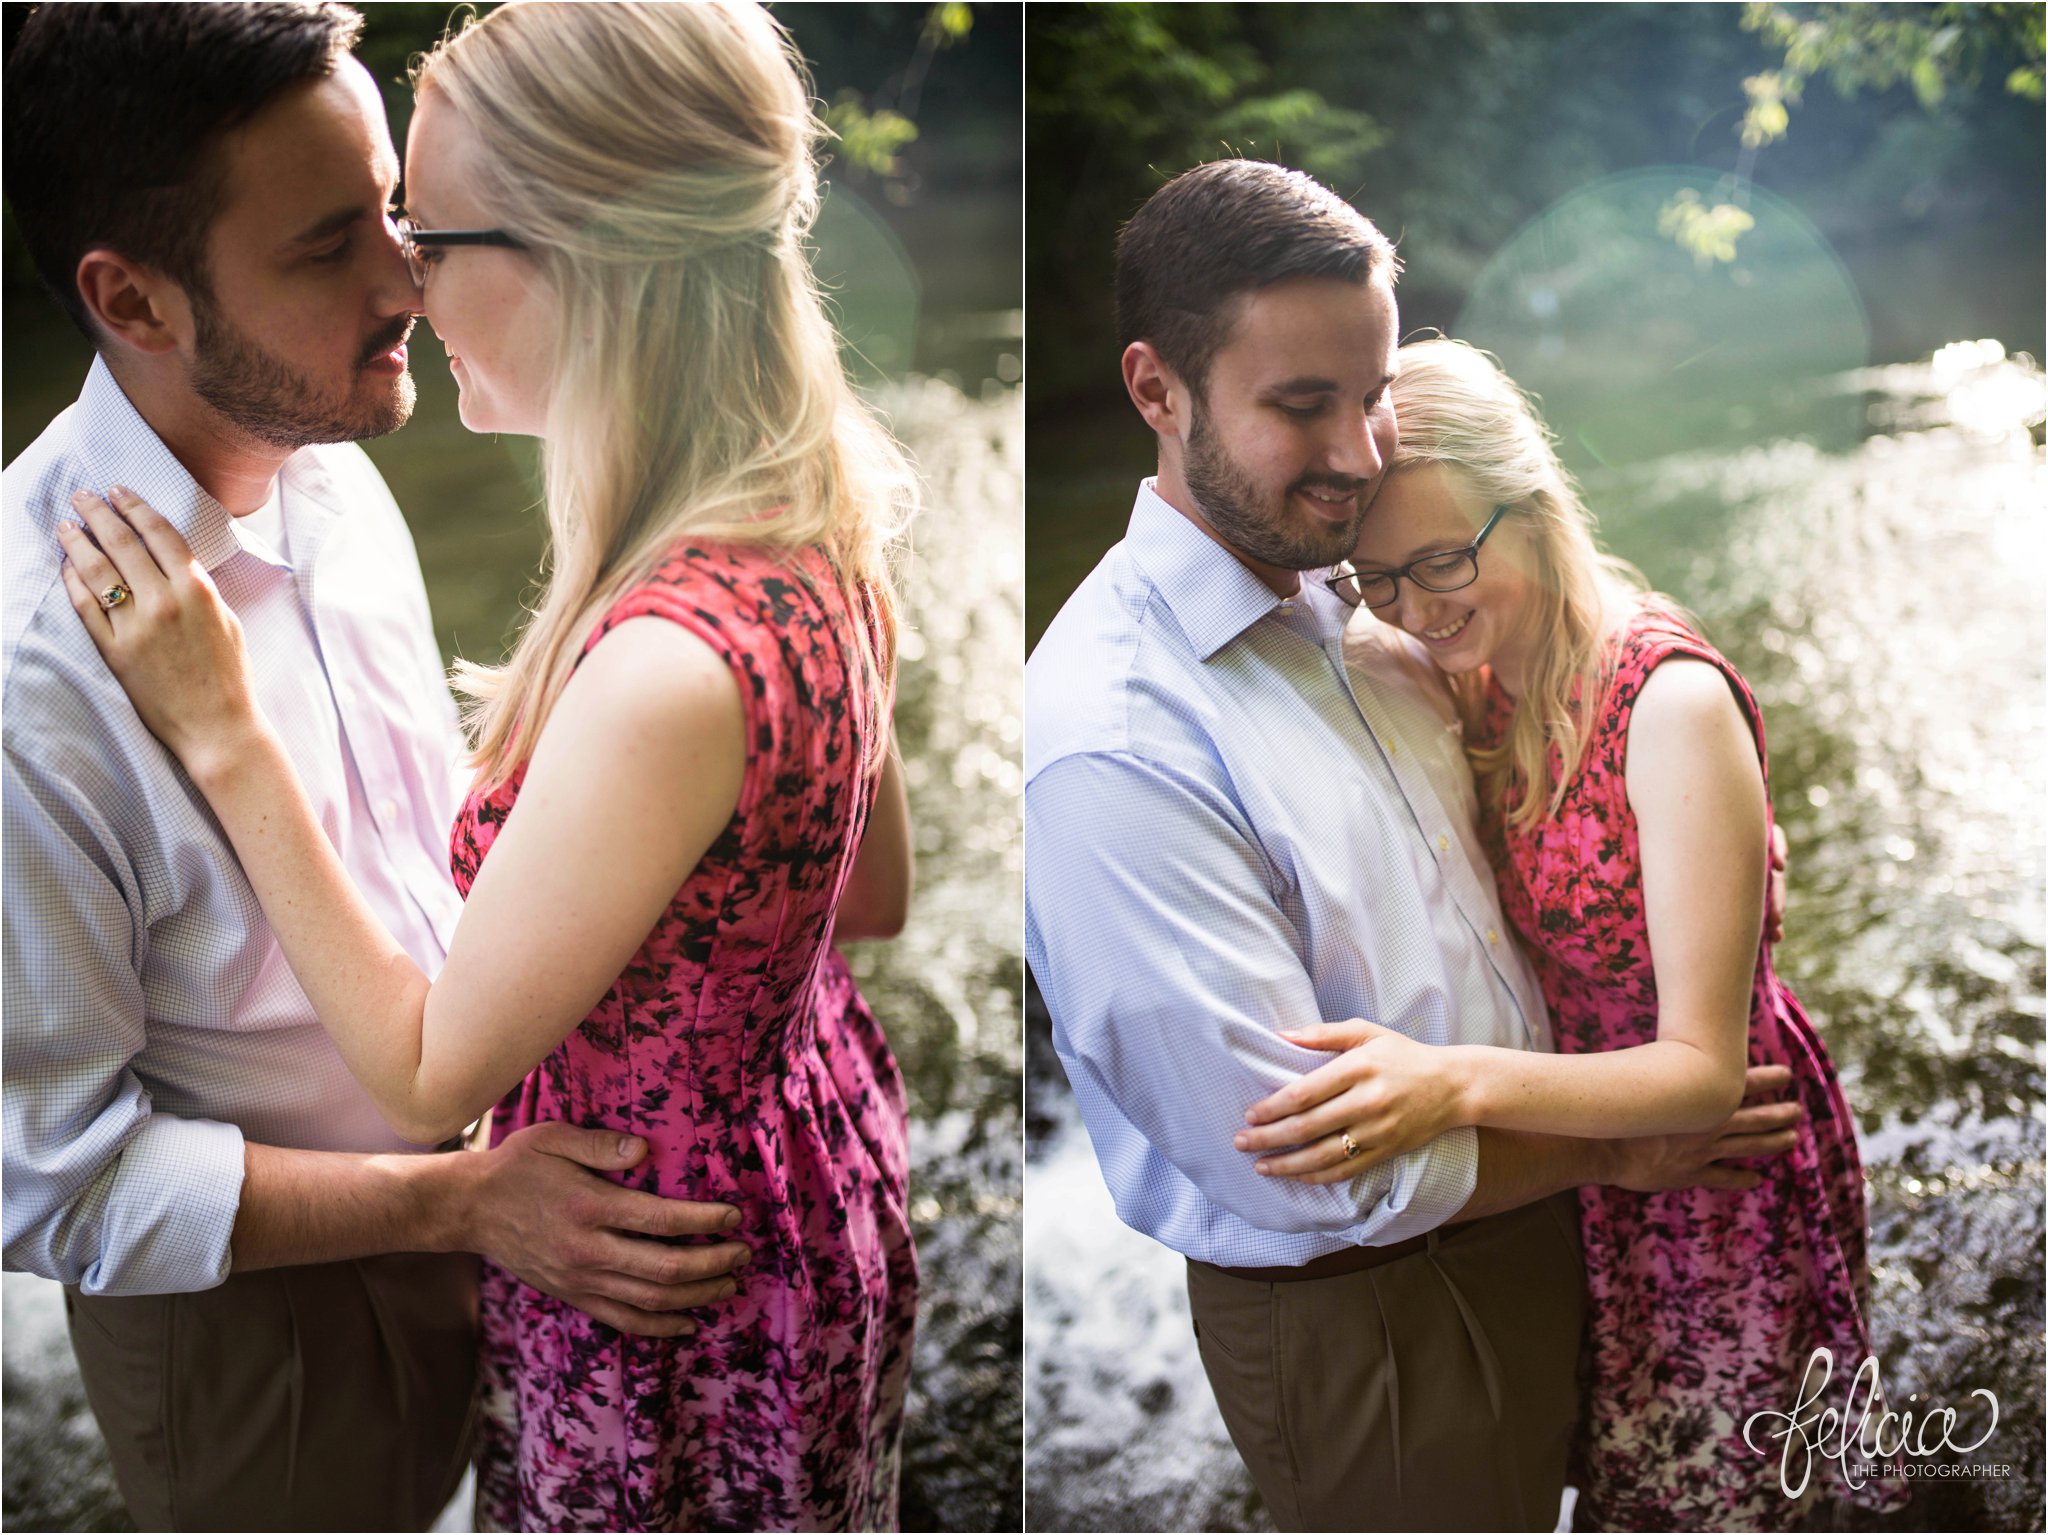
(1353, 448)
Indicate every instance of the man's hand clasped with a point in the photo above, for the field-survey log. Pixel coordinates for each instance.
(1762, 1127)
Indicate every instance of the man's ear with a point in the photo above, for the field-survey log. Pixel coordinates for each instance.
(133, 304)
(1162, 399)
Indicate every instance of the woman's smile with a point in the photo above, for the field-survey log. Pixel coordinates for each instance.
(1449, 631)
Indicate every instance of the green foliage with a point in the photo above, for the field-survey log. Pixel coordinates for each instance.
(1181, 85)
(873, 129)
(1481, 116)
(1767, 117)
(1303, 130)
(949, 23)
(869, 140)
(1934, 49)
(1709, 234)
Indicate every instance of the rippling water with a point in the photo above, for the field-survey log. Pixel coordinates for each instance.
(947, 991)
(950, 988)
(1886, 601)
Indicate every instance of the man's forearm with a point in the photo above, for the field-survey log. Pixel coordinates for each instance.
(1518, 1168)
(327, 1206)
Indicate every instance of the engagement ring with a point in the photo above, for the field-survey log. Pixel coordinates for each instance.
(1350, 1146)
(113, 596)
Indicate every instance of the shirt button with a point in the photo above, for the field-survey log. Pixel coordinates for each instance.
(1492, 935)
(387, 810)
(1443, 844)
(1393, 747)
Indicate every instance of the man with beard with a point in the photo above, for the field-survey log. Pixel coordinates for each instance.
(1231, 832)
(271, 1296)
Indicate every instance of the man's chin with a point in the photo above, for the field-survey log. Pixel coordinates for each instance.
(391, 412)
(268, 402)
(1321, 547)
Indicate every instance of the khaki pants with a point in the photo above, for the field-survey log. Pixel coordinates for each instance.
(1436, 1392)
(334, 1396)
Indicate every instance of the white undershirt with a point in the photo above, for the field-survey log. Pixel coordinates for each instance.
(262, 531)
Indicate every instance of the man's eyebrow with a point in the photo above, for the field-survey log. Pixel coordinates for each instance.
(332, 224)
(1308, 384)
(325, 228)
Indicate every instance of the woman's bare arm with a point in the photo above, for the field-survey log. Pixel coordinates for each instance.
(1696, 789)
(637, 773)
(876, 900)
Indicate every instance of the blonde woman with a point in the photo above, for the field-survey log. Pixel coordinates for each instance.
(1621, 767)
(683, 774)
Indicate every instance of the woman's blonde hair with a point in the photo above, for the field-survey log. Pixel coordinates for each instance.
(660, 163)
(1457, 410)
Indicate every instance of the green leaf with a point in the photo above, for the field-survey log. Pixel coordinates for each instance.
(868, 141)
(1709, 235)
(949, 23)
(1928, 83)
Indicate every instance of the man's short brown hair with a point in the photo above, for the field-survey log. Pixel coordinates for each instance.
(116, 116)
(1226, 229)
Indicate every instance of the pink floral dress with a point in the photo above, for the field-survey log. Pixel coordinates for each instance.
(737, 1045)
(1705, 1305)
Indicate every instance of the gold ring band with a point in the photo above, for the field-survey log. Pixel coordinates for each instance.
(113, 596)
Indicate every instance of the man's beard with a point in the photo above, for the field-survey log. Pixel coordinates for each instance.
(1237, 513)
(280, 406)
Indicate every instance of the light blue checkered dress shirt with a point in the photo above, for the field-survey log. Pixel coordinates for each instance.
(1241, 816)
(151, 1022)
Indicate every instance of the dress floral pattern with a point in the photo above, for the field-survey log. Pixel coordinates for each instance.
(1705, 1305)
(737, 1045)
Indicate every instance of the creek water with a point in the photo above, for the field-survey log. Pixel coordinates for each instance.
(948, 990)
(1884, 596)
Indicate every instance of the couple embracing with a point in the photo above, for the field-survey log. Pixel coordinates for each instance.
(245, 1000)
(1397, 882)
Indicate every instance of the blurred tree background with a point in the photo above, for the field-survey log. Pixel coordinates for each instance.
(1910, 136)
(919, 245)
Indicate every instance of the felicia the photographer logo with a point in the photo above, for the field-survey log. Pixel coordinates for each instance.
(1862, 1435)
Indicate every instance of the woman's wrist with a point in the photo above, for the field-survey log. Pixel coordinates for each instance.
(232, 757)
(1470, 1077)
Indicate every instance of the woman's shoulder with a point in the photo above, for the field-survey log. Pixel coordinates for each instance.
(1654, 631)
(1669, 676)
(742, 575)
(725, 591)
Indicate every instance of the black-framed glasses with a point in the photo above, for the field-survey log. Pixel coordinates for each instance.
(1447, 572)
(416, 242)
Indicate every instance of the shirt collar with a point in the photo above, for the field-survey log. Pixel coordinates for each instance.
(124, 449)
(1212, 593)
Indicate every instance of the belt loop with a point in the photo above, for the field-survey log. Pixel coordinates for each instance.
(1429, 1243)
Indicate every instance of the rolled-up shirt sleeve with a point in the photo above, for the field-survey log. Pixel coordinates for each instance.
(100, 1191)
(1169, 964)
